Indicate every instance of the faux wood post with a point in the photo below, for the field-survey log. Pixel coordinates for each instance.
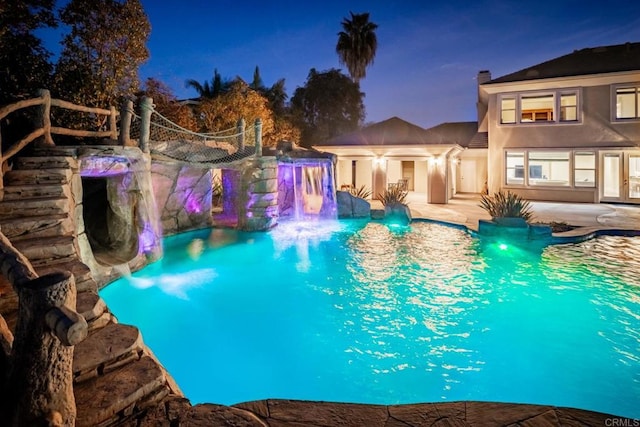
(113, 128)
(41, 375)
(146, 108)
(125, 123)
(45, 112)
(240, 132)
(258, 132)
(1, 167)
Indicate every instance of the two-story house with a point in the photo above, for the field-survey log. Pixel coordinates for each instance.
(567, 129)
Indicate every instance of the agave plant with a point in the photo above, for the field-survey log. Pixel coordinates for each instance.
(362, 192)
(393, 196)
(506, 205)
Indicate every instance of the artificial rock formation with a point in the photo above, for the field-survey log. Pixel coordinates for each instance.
(40, 384)
(350, 206)
(183, 194)
(257, 194)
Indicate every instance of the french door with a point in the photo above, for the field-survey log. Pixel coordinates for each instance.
(620, 177)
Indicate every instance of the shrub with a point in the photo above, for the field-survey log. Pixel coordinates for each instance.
(503, 205)
(393, 196)
(216, 191)
(362, 192)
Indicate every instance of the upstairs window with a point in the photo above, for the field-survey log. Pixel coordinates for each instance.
(628, 102)
(536, 108)
(548, 107)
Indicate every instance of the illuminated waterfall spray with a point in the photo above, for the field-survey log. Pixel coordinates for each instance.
(307, 190)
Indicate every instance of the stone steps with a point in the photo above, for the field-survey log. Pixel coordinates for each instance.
(45, 162)
(37, 227)
(21, 192)
(82, 274)
(37, 177)
(26, 207)
(119, 394)
(93, 309)
(106, 349)
(49, 250)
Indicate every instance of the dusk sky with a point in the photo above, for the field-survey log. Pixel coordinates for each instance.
(429, 51)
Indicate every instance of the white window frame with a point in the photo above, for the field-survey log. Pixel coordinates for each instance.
(571, 184)
(614, 102)
(557, 96)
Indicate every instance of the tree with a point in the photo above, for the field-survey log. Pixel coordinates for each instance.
(166, 104)
(357, 44)
(328, 105)
(102, 53)
(24, 62)
(257, 83)
(209, 91)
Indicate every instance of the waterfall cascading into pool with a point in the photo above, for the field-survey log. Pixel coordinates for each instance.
(306, 190)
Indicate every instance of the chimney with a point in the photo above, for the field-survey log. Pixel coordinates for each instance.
(482, 105)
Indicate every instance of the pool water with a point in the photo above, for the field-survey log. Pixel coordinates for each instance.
(357, 311)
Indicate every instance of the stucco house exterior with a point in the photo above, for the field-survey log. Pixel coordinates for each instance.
(567, 129)
(396, 152)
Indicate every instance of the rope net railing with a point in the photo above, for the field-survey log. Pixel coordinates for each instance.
(168, 140)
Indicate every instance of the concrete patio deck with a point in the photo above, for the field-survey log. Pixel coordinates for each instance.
(464, 209)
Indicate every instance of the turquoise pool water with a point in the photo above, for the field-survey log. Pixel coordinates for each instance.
(356, 311)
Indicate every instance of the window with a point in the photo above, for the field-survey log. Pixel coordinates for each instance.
(515, 168)
(549, 168)
(584, 171)
(628, 102)
(508, 110)
(568, 107)
(548, 107)
(536, 108)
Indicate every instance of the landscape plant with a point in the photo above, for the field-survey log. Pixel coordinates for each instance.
(506, 205)
(393, 196)
(363, 192)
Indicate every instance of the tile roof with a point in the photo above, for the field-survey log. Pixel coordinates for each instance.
(596, 60)
(395, 131)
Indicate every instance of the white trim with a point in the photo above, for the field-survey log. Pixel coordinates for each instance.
(614, 102)
(556, 95)
(562, 82)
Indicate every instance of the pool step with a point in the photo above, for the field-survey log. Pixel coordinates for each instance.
(106, 349)
(93, 309)
(121, 394)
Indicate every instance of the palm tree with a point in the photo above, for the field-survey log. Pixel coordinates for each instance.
(206, 90)
(357, 44)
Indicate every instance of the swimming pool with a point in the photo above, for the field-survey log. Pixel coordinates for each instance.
(357, 311)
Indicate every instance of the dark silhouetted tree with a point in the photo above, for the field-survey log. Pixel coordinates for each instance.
(208, 90)
(102, 53)
(357, 44)
(24, 62)
(328, 105)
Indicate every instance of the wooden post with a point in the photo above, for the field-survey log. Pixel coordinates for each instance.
(258, 131)
(146, 108)
(125, 123)
(240, 132)
(45, 111)
(112, 123)
(40, 384)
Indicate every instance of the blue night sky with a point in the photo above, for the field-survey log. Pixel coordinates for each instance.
(429, 51)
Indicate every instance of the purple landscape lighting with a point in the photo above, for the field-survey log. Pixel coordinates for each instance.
(147, 238)
(193, 205)
(103, 166)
